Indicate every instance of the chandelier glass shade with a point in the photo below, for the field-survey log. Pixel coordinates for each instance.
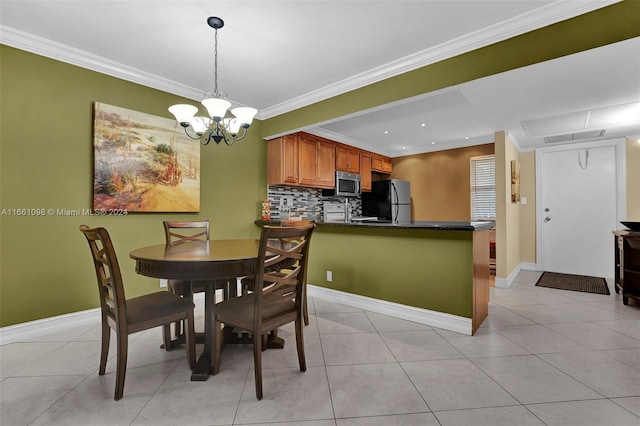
(219, 125)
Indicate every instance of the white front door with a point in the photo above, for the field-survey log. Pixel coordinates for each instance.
(581, 199)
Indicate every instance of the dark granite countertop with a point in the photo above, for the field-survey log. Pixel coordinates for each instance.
(443, 226)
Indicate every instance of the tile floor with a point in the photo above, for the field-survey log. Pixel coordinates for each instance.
(542, 357)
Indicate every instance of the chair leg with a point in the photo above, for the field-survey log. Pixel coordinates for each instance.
(217, 346)
(190, 339)
(305, 311)
(121, 368)
(104, 349)
(300, 345)
(166, 337)
(257, 362)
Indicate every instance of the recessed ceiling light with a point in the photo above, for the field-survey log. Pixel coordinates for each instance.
(423, 125)
(433, 143)
(466, 137)
(404, 147)
(386, 132)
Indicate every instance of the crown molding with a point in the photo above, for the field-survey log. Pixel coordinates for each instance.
(544, 16)
(547, 15)
(65, 53)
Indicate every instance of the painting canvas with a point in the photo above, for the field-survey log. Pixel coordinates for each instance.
(515, 181)
(143, 163)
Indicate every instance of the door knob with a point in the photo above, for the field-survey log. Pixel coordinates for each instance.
(547, 210)
(547, 219)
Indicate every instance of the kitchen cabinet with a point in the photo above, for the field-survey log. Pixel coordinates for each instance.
(347, 159)
(282, 157)
(301, 159)
(365, 171)
(381, 164)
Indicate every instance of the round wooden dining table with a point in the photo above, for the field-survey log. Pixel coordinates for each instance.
(215, 261)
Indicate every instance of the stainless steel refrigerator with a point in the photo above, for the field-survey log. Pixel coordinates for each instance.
(389, 201)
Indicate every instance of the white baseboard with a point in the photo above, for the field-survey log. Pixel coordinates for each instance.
(423, 316)
(32, 329)
(506, 282)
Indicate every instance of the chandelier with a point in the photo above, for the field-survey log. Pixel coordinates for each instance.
(219, 125)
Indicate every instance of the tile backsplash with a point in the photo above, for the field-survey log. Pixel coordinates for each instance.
(303, 202)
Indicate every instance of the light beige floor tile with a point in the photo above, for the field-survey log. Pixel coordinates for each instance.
(355, 348)
(73, 358)
(496, 416)
(289, 395)
(455, 384)
(601, 373)
(544, 314)
(419, 419)
(595, 336)
(628, 327)
(631, 357)
(502, 317)
(384, 323)
(23, 399)
(587, 311)
(531, 380)
(631, 404)
(15, 357)
(180, 401)
(372, 390)
(302, 423)
(327, 307)
(539, 339)
(419, 346)
(92, 403)
(584, 413)
(485, 342)
(288, 357)
(349, 322)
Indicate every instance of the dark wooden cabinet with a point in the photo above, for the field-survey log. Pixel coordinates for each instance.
(627, 264)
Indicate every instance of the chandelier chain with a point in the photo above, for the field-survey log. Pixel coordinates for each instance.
(216, 93)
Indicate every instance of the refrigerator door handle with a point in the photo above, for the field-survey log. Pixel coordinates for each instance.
(394, 218)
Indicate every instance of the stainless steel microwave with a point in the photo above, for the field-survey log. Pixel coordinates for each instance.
(347, 184)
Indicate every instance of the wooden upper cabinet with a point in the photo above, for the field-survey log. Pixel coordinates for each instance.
(326, 176)
(282, 157)
(347, 159)
(365, 171)
(301, 159)
(381, 164)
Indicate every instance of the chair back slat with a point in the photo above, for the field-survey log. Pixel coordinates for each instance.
(183, 231)
(283, 256)
(110, 286)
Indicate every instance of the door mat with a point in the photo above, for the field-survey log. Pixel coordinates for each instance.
(582, 283)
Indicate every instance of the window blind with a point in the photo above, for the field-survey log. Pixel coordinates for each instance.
(483, 188)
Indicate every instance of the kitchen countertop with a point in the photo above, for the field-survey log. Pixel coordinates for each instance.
(444, 226)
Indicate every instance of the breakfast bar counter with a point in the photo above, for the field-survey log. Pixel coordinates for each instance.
(435, 273)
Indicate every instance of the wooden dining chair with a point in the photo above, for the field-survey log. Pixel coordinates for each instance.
(178, 232)
(277, 298)
(127, 316)
(248, 282)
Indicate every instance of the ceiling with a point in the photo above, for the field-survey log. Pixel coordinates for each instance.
(278, 56)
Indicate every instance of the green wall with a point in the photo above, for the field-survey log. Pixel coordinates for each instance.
(46, 161)
(422, 268)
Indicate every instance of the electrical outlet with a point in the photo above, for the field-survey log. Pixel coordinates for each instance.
(163, 283)
(329, 276)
